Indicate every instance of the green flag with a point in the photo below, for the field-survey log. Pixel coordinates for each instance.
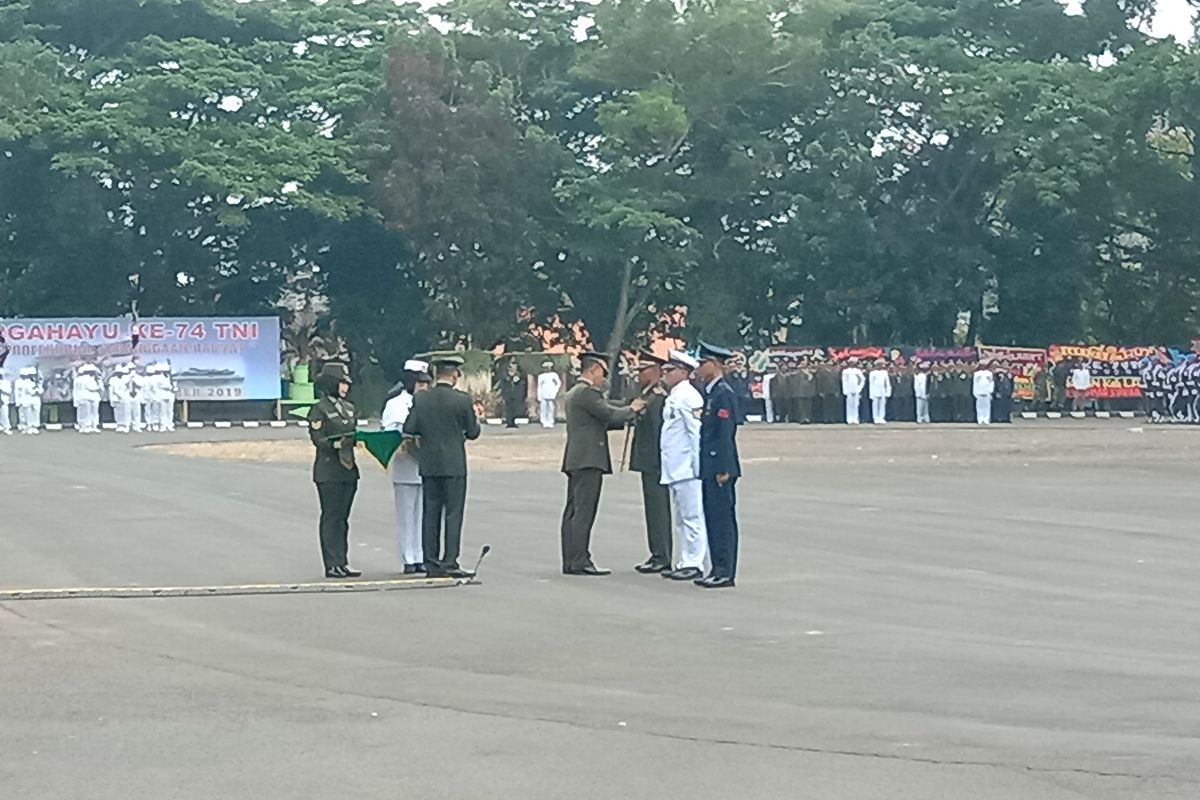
(381, 444)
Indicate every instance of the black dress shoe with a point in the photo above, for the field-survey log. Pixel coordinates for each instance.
(458, 572)
(350, 573)
(651, 567)
(685, 574)
(334, 572)
(410, 569)
(713, 582)
(591, 569)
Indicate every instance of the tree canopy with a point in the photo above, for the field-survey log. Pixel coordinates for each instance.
(832, 171)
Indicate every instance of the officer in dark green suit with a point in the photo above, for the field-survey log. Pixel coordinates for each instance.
(586, 461)
(443, 419)
(331, 426)
(646, 459)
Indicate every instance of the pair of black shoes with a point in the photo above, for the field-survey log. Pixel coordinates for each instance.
(342, 572)
(652, 567)
(713, 582)
(414, 569)
(685, 574)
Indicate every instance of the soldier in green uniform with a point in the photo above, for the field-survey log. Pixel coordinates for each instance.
(443, 419)
(964, 400)
(806, 394)
(829, 394)
(940, 408)
(586, 460)
(902, 404)
(646, 459)
(331, 426)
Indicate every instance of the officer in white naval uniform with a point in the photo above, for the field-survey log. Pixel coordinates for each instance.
(921, 391)
(548, 387)
(406, 475)
(165, 396)
(983, 384)
(6, 398)
(880, 390)
(853, 382)
(87, 393)
(27, 392)
(680, 448)
(143, 383)
(120, 395)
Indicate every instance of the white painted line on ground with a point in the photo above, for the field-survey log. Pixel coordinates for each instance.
(227, 591)
(250, 424)
(303, 423)
(1053, 415)
(278, 423)
(1126, 414)
(1078, 415)
(194, 425)
(223, 424)
(362, 423)
(492, 421)
(1029, 415)
(54, 426)
(1103, 415)
(109, 426)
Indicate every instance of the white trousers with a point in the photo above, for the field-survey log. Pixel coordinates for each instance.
(5, 418)
(123, 413)
(408, 522)
(546, 412)
(29, 417)
(879, 410)
(87, 416)
(691, 536)
(852, 401)
(922, 409)
(165, 415)
(983, 409)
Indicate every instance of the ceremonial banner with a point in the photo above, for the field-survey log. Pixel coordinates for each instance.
(840, 354)
(786, 358)
(211, 358)
(1022, 362)
(944, 355)
(1116, 370)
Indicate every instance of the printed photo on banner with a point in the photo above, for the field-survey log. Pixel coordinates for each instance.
(209, 358)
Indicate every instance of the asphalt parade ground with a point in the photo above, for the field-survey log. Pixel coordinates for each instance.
(1001, 614)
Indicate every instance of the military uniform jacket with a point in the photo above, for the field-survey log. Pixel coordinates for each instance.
(718, 433)
(444, 419)
(829, 381)
(331, 422)
(806, 383)
(589, 418)
(902, 384)
(681, 434)
(645, 455)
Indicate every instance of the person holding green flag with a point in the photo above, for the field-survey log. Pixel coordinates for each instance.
(404, 468)
(331, 427)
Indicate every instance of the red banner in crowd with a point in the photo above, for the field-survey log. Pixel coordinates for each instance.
(839, 354)
(1116, 370)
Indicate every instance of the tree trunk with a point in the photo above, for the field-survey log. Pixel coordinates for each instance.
(616, 339)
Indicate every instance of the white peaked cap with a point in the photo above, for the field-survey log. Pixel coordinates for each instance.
(683, 359)
(415, 365)
(27, 371)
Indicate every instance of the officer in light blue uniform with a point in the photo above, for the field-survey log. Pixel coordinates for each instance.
(719, 467)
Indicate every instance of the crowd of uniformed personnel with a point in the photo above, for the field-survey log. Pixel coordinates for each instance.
(874, 391)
